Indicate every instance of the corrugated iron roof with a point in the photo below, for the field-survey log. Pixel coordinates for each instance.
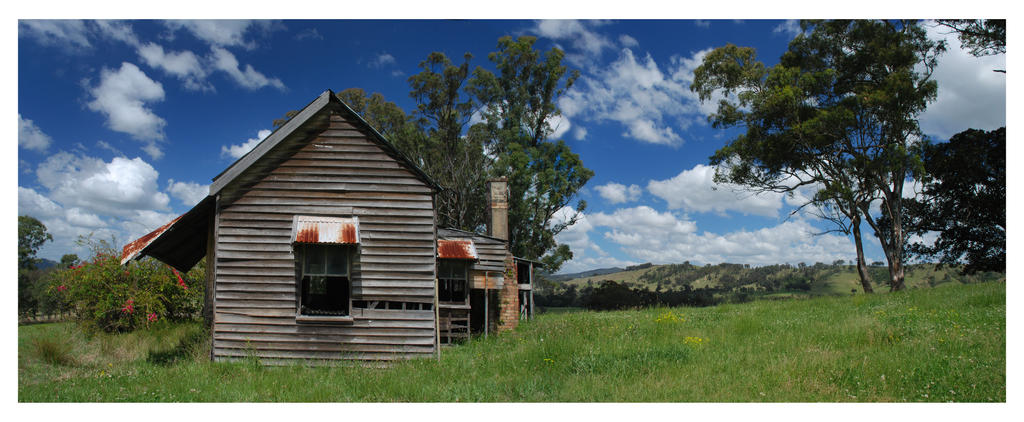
(456, 249)
(131, 250)
(315, 229)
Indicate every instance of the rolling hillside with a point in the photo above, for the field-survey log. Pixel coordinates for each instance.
(821, 278)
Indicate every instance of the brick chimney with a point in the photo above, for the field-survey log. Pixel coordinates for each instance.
(497, 226)
(497, 209)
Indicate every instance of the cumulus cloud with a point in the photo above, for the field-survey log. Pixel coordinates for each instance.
(970, 94)
(31, 137)
(116, 188)
(650, 103)
(790, 27)
(647, 235)
(183, 65)
(617, 193)
(122, 96)
(249, 78)
(237, 151)
(225, 33)
(117, 30)
(189, 193)
(628, 41)
(65, 33)
(695, 190)
(586, 44)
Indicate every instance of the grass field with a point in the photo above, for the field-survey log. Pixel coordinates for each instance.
(926, 345)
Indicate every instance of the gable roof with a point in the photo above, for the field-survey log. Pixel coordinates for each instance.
(324, 103)
(182, 242)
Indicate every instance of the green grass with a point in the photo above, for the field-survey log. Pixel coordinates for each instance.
(931, 345)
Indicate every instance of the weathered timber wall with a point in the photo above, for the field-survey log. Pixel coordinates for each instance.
(340, 172)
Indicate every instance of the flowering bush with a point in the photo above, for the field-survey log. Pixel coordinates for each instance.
(110, 297)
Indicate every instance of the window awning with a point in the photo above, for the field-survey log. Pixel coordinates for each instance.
(180, 243)
(325, 230)
(456, 249)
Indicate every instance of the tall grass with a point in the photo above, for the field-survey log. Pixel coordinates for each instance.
(931, 345)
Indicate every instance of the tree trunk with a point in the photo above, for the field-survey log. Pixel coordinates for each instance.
(862, 268)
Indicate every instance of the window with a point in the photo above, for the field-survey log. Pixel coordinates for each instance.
(325, 284)
(451, 279)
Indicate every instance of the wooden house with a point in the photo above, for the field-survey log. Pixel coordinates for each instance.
(322, 244)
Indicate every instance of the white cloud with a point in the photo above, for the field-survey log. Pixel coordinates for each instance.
(31, 137)
(122, 96)
(381, 60)
(225, 33)
(117, 30)
(650, 104)
(580, 133)
(189, 193)
(970, 94)
(116, 188)
(32, 203)
(647, 235)
(617, 193)
(237, 151)
(248, 78)
(559, 125)
(702, 23)
(183, 65)
(628, 41)
(695, 190)
(580, 36)
(790, 27)
(65, 33)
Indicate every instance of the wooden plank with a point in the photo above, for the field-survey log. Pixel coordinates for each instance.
(313, 355)
(226, 254)
(318, 346)
(397, 196)
(249, 324)
(333, 186)
(319, 337)
(332, 202)
(342, 164)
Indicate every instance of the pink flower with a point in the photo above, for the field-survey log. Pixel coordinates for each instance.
(62, 288)
(181, 282)
(151, 317)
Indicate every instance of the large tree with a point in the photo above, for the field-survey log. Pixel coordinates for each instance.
(838, 113)
(32, 235)
(520, 104)
(456, 161)
(964, 200)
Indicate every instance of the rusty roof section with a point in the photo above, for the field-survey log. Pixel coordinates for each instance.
(333, 230)
(456, 249)
(131, 250)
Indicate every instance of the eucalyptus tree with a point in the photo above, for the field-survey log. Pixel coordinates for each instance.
(837, 114)
(454, 159)
(520, 102)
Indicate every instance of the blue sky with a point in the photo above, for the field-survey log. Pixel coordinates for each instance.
(122, 124)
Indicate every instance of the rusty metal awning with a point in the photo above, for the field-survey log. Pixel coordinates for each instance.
(180, 243)
(456, 249)
(329, 230)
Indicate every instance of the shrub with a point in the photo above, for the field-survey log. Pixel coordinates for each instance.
(53, 351)
(108, 296)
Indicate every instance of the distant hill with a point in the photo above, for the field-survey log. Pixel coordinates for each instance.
(45, 263)
(591, 273)
(818, 278)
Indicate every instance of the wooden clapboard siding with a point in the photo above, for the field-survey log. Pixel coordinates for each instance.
(338, 171)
